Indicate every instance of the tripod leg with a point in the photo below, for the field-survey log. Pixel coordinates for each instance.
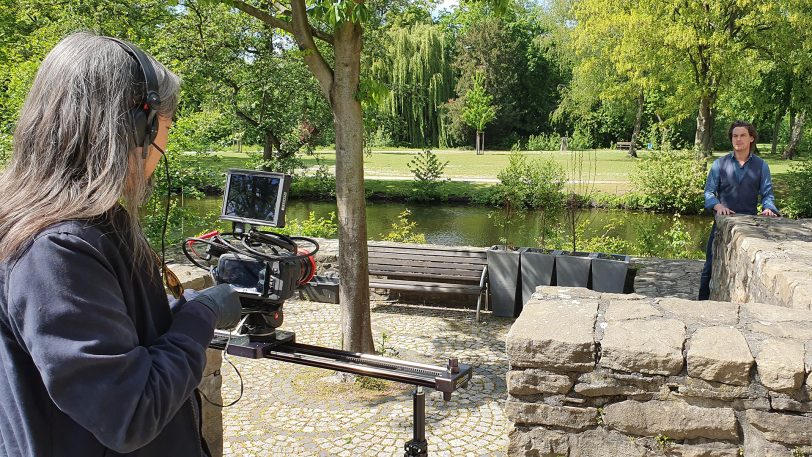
(418, 446)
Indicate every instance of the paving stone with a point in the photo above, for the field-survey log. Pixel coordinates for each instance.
(705, 313)
(719, 354)
(773, 313)
(677, 420)
(544, 414)
(625, 310)
(799, 330)
(781, 365)
(782, 428)
(653, 347)
(554, 334)
(532, 381)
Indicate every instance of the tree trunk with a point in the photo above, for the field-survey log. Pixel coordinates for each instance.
(795, 134)
(269, 143)
(637, 121)
(779, 117)
(478, 150)
(703, 140)
(356, 327)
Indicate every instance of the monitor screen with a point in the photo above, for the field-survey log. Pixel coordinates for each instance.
(256, 197)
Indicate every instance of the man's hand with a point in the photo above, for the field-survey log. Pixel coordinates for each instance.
(768, 212)
(722, 209)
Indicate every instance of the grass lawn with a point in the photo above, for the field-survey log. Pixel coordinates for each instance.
(613, 174)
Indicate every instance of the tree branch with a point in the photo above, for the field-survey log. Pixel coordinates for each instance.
(311, 55)
(274, 21)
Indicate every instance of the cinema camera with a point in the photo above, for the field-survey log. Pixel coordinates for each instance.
(266, 268)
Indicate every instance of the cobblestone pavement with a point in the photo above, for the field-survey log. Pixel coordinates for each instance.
(287, 411)
(278, 416)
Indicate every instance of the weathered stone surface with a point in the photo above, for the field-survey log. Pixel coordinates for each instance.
(781, 365)
(705, 313)
(695, 387)
(624, 297)
(703, 450)
(601, 442)
(544, 414)
(677, 420)
(602, 383)
(554, 334)
(191, 277)
(719, 354)
(782, 428)
(537, 442)
(567, 293)
(799, 330)
(653, 347)
(532, 382)
(625, 310)
(771, 313)
(756, 444)
(781, 402)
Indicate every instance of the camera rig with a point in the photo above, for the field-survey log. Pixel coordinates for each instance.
(266, 268)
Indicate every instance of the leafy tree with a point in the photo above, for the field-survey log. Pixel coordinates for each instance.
(479, 111)
(339, 76)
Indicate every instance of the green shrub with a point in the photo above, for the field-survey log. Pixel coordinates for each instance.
(5, 149)
(671, 181)
(201, 131)
(428, 175)
(544, 142)
(581, 139)
(403, 230)
(527, 184)
(797, 193)
(321, 227)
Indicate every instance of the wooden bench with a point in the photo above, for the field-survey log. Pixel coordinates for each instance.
(435, 269)
(624, 145)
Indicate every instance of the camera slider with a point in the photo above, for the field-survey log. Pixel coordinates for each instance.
(283, 347)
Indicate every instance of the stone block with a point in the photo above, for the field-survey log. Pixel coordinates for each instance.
(533, 382)
(677, 420)
(556, 416)
(798, 330)
(781, 365)
(782, 428)
(566, 293)
(771, 313)
(719, 354)
(537, 442)
(699, 388)
(555, 334)
(601, 442)
(652, 347)
(191, 277)
(626, 310)
(703, 450)
(781, 402)
(704, 313)
(602, 383)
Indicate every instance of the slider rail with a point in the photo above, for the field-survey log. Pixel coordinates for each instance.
(418, 374)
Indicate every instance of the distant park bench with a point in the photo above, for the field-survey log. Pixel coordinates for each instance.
(624, 145)
(436, 269)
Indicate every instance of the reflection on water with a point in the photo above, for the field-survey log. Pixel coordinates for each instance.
(462, 225)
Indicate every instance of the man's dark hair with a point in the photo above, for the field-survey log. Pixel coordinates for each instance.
(750, 129)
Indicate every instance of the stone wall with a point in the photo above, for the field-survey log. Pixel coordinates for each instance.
(763, 260)
(624, 375)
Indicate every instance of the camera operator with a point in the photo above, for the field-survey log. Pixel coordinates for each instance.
(94, 361)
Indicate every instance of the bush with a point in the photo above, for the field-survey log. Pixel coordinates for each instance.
(5, 149)
(321, 227)
(671, 181)
(544, 142)
(201, 131)
(534, 184)
(581, 139)
(428, 174)
(797, 192)
(403, 230)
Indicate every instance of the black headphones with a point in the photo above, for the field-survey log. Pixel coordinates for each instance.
(144, 115)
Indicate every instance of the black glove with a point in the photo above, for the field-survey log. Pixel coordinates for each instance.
(224, 303)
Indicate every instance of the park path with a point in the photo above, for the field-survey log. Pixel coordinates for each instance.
(290, 410)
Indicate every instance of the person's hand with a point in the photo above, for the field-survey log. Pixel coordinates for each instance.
(768, 212)
(223, 302)
(722, 209)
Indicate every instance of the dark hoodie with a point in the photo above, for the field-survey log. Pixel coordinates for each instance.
(93, 361)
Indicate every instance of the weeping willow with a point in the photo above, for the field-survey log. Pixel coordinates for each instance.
(417, 68)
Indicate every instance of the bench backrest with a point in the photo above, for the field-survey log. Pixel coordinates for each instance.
(424, 263)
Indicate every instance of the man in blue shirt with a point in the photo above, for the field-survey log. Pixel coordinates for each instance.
(734, 185)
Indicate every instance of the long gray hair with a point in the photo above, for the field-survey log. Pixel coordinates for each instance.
(74, 154)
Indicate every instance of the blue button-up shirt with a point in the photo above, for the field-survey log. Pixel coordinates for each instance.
(765, 188)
